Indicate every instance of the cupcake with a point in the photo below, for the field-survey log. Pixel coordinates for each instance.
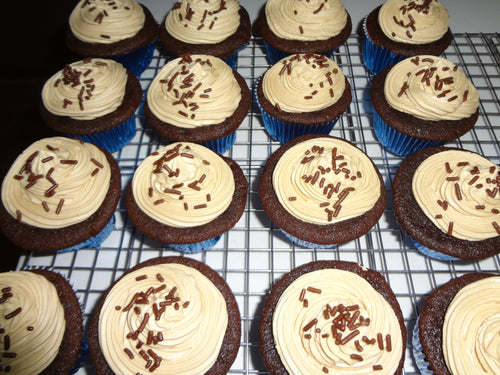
(421, 102)
(124, 31)
(93, 100)
(186, 196)
(401, 28)
(302, 94)
(292, 27)
(457, 330)
(40, 323)
(171, 315)
(206, 27)
(447, 200)
(60, 194)
(200, 99)
(321, 191)
(332, 317)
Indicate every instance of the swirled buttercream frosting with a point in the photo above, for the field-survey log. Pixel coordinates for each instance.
(56, 182)
(163, 319)
(306, 20)
(31, 321)
(325, 180)
(430, 88)
(203, 21)
(471, 329)
(194, 91)
(459, 192)
(86, 89)
(183, 185)
(333, 321)
(413, 21)
(105, 22)
(303, 83)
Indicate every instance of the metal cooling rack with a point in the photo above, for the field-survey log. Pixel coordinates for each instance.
(252, 255)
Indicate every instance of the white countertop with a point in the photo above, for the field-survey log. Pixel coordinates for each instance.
(472, 16)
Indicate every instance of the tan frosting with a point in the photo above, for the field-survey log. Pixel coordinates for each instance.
(105, 22)
(56, 182)
(431, 88)
(304, 333)
(471, 329)
(463, 194)
(36, 325)
(85, 90)
(183, 185)
(315, 188)
(306, 20)
(187, 338)
(304, 83)
(413, 22)
(192, 92)
(203, 21)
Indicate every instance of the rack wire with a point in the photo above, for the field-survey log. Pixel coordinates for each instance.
(254, 254)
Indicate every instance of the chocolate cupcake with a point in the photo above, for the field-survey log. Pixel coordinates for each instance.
(447, 200)
(322, 191)
(332, 317)
(41, 323)
(60, 194)
(171, 315)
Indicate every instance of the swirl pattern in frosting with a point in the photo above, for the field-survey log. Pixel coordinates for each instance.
(86, 89)
(183, 185)
(203, 21)
(459, 192)
(306, 20)
(303, 83)
(430, 88)
(334, 321)
(106, 22)
(56, 182)
(471, 329)
(326, 180)
(170, 314)
(32, 322)
(413, 21)
(193, 91)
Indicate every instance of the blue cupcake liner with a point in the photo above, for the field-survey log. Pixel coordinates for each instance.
(306, 244)
(432, 253)
(137, 61)
(274, 54)
(221, 145)
(397, 142)
(231, 60)
(418, 354)
(93, 241)
(196, 246)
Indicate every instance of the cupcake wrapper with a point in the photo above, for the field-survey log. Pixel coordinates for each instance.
(138, 61)
(113, 139)
(306, 244)
(418, 355)
(231, 60)
(197, 246)
(274, 54)
(432, 253)
(221, 145)
(397, 142)
(93, 241)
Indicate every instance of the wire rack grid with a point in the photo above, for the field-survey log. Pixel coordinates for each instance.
(254, 254)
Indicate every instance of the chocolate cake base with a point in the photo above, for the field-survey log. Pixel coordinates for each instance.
(230, 344)
(336, 233)
(268, 350)
(415, 223)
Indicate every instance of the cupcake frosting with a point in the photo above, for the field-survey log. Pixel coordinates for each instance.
(303, 83)
(430, 88)
(86, 89)
(193, 91)
(56, 182)
(459, 192)
(413, 21)
(105, 22)
(167, 319)
(471, 329)
(31, 322)
(203, 21)
(333, 321)
(306, 20)
(183, 185)
(325, 180)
